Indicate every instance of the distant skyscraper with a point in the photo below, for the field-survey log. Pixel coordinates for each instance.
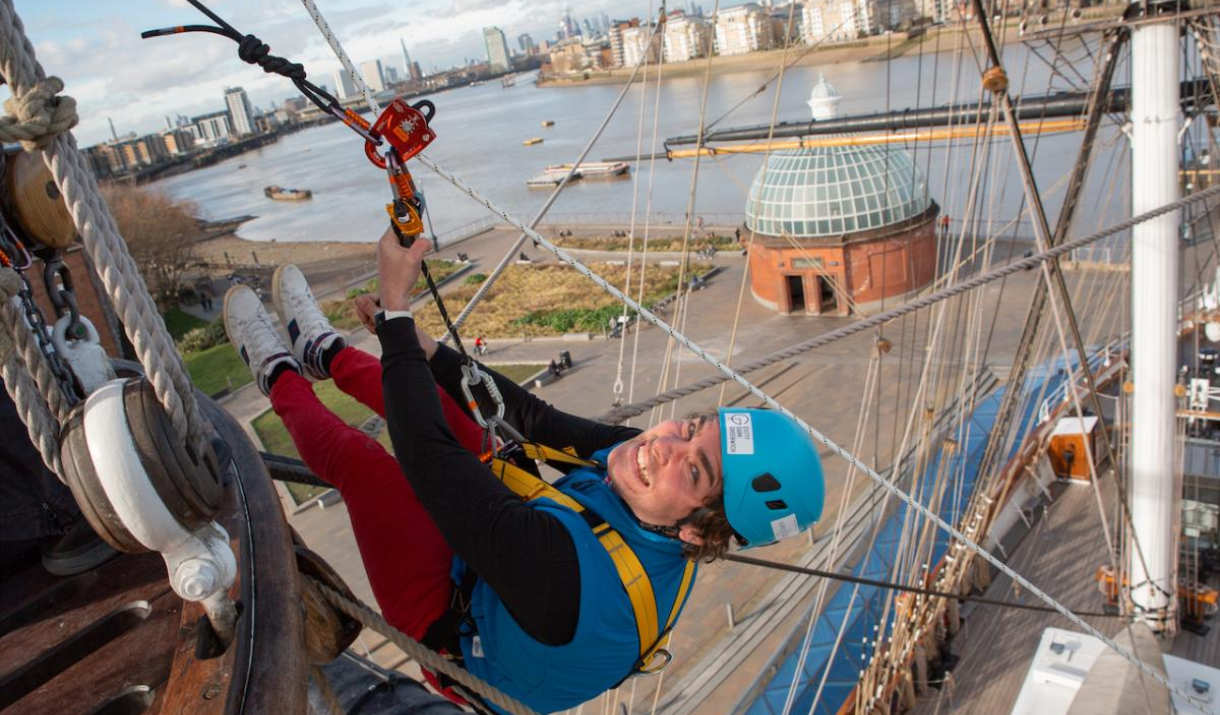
(525, 42)
(344, 86)
(373, 76)
(391, 74)
(240, 114)
(497, 50)
(407, 70)
(416, 72)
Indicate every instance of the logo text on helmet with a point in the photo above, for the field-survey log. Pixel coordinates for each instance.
(739, 433)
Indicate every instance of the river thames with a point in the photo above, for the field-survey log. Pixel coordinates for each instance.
(481, 130)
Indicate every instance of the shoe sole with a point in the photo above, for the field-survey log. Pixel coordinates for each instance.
(277, 300)
(225, 313)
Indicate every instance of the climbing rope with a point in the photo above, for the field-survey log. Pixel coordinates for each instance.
(413, 648)
(1033, 261)
(35, 104)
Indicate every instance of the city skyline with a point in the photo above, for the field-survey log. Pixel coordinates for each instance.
(95, 48)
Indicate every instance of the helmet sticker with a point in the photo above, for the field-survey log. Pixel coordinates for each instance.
(785, 527)
(739, 433)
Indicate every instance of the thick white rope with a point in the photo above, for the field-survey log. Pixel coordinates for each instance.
(120, 276)
(830, 444)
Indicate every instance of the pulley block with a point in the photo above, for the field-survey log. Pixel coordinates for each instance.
(132, 476)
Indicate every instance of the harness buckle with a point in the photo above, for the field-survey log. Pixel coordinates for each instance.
(647, 666)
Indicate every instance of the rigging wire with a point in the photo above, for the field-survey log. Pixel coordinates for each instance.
(965, 541)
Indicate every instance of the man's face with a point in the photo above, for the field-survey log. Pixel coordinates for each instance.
(669, 471)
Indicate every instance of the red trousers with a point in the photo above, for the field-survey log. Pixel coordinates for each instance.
(406, 558)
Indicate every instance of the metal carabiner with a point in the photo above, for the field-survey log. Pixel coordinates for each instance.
(472, 375)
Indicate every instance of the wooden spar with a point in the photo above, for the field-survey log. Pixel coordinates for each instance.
(917, 135)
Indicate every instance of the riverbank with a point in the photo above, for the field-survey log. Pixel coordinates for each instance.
(879, 48)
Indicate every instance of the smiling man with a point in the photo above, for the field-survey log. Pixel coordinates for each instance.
(551, 619)
(553, 594)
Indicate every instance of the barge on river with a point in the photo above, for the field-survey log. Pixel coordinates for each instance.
(554, 173)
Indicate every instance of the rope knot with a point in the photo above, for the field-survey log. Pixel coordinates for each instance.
(256, 52)
(38, 114)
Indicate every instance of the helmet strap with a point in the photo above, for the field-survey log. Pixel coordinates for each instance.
(672, 531)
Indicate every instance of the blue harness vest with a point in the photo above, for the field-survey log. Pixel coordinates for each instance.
(607, 645)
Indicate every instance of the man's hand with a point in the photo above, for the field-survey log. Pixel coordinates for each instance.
(398, 269)
(367, 306)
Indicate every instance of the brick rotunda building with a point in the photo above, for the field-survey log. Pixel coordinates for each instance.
(838, 230)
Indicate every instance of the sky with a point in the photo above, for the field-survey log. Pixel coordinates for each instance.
(95, 47)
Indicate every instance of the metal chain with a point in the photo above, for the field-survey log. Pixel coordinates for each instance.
(36, 321)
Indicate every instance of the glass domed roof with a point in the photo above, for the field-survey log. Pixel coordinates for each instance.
(828, 191)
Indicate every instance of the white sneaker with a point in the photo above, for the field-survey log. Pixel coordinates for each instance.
(254, 337)
(309, 332)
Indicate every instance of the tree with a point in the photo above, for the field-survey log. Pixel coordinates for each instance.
(160, 232)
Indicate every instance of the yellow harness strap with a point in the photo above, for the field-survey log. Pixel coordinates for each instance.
(630, 571)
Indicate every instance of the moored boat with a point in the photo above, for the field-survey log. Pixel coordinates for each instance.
(548, 123)
(553, 174)
(532, 141)
(280, 193)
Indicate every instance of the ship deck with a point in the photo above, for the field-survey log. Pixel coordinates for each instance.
(995, 645)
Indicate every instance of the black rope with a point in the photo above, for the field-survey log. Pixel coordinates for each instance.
(256, 52)
(848, 578)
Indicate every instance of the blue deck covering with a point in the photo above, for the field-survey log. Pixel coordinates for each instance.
(861, 606)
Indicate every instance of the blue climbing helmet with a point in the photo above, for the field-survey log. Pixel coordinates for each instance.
(773, 485)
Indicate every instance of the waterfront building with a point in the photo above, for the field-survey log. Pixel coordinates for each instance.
(838, 230)
(616, 39)
(526, 43)
(374, 77)
(345, 88)
(241, 117)
(498, 58)
(177, 141)
(570, 57)
(391, 75)
(211, 129)
(687, 37)
(638, 48)
(106, 160)
(742, 29)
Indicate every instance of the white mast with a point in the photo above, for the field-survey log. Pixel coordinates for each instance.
(1154, 290)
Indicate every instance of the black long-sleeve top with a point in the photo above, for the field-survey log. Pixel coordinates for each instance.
(526, 555)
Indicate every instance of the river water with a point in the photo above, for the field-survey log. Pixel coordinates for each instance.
(480, 131)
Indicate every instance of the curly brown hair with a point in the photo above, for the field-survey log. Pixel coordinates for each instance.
(714, 531)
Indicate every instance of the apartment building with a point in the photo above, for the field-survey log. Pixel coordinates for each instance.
(687, 38)
(742, 29)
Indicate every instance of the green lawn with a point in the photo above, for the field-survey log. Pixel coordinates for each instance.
(212, 370)
(518, 372)
(179, 322)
